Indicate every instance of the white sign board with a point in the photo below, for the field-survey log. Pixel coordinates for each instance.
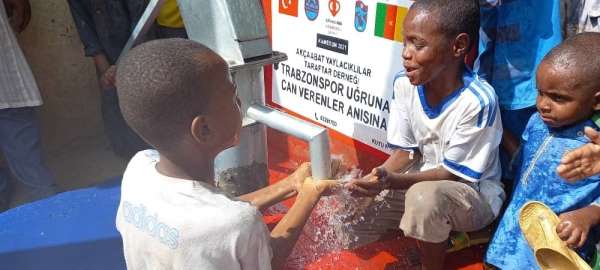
(343, 56)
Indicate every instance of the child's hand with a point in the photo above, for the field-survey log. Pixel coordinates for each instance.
(108, 78)
(337, 168)
(322, 187)
(582, 162)
(297, 177)
(19, 13)
(371, 184)
(574, 227)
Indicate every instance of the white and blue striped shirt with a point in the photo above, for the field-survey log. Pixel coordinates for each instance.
(462, 133)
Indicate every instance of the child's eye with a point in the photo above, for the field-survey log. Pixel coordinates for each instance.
(558, 99)
(419, 46)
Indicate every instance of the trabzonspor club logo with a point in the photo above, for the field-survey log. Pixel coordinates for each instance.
(360, 16)
(311, 7)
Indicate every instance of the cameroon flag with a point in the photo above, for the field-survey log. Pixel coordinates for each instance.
(388, 21)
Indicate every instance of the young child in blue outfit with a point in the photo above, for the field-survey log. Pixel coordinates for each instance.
(568, 97)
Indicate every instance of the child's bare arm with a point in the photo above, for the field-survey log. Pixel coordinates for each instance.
(270, 195)
(400, 160)
(405, 180)
(287, 231)
(394, 177)
(372, 185)
(105, 71)
(101, 63)
(575, 225)
(279, 191)
(582, 162)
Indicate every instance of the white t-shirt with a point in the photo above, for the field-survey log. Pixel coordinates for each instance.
(169, 223)
(462, 133)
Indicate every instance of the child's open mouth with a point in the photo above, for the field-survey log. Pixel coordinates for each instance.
(411, 73)
(410, 70)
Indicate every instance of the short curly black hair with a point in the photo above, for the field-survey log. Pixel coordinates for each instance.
(454, 16)
(581, 54)
(163, 84)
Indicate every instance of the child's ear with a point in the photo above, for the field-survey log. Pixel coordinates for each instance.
(597, 101)
(201, 130)
(461, 45)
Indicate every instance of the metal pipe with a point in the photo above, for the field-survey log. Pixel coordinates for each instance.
(142, 26)
(317, 137)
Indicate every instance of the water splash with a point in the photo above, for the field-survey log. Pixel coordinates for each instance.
(328, 231)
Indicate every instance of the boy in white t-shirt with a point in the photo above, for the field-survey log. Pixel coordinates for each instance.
(179, 97)
(445, 128)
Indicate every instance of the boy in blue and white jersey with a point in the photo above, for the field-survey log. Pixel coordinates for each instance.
(445, 129)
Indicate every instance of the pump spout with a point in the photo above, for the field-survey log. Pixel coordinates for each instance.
(316, 136)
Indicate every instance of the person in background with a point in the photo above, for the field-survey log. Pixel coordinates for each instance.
(580, 16)
(169, 23)
(104, 28)
(512, 43)
(19, 97)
